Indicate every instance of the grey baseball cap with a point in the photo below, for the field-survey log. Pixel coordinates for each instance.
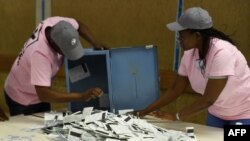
(192, 18)
(67, 39)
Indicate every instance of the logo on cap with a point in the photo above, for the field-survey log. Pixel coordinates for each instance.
(73, 42)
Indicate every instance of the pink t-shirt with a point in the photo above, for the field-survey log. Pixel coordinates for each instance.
(223, 59)
(36, 64)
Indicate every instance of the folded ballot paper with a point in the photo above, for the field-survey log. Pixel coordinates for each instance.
(97, 125)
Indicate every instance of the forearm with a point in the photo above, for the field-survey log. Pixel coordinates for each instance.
(3, 116)
(170, 95)
(49, 95)
(61, 97)
(87, 34)
(198, 106)
(1, 111)
(165, 99)
(213, 89)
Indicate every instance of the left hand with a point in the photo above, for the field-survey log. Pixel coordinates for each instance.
(138, 113)
(163, 115)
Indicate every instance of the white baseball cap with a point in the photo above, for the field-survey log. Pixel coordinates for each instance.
(67, 39)
(192, 18)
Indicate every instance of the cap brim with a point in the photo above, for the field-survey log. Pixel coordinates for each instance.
(175, 26)
(75, 53)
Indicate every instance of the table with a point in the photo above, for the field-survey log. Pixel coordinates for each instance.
(202, 132)
(17, 127)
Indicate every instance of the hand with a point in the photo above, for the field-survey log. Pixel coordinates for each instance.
(3, 117)
(138, 113)
(93, 93)
(99, 46)
(163, 115)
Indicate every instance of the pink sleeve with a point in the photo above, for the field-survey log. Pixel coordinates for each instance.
(182, 70)
(73, 22)
(223, 63)
(41, 71)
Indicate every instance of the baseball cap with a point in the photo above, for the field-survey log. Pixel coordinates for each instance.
(67, 39)
(192, 18)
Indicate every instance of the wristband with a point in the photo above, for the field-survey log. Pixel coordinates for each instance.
(177, 116)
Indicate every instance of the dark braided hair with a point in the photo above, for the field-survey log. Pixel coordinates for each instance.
(207, 35)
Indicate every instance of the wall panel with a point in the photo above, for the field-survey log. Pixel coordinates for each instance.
(132, 22)
(16, 24)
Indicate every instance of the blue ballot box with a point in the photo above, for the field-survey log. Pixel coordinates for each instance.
(128, 76)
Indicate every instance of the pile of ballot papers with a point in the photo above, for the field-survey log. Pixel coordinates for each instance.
(96, 125)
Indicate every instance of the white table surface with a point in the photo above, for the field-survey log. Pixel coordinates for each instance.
(16, 128)
(202, 132)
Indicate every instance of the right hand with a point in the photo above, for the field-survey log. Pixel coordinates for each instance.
(93, 93)
(100, 46)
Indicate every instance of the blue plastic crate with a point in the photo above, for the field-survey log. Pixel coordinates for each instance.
(128, 76)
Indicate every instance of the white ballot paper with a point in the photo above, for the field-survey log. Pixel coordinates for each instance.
(104, 100)
(78, 73)
(95, 117)
(86, 111)
(97, 125)
(53, 118)
(75, 134)
(125, 111)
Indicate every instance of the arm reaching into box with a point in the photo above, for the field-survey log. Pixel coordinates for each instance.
(88, 36)
(170, 95)
(48, 95)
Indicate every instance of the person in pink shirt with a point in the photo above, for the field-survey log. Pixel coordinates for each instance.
(28, 85)
(214, 67)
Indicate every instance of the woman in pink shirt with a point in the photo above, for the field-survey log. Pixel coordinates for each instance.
(28, 86)
(214, 67)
